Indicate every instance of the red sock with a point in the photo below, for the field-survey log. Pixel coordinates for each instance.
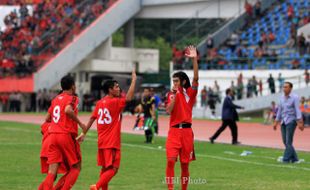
(170, 174)
(60, 182)
(105, 178)
(185, 175)
(103, 187)
(71, 178)
(41, 186)
(48, 182)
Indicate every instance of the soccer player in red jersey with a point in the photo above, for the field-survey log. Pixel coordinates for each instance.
(44, 156)
(108, 115)
(180, 140)
(63, 130)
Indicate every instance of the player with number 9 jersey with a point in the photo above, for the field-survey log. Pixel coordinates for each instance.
(63, 129)
(60, 121)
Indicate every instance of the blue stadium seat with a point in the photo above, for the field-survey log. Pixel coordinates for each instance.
(303, 63)
(270, 66)
(232, 67)
(226, 67)
(239, 67)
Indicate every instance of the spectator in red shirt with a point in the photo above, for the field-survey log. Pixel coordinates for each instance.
(295, 64)
(290, 12)
(248, 9)
(271, 37)
(264, 37)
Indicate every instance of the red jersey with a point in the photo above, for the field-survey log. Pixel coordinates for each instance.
(184, 102)
(61, 122)
(44, 130)
(108, 115)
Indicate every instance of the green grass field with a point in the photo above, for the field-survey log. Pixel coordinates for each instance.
(218, 166)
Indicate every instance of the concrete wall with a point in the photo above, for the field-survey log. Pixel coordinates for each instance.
(224, 78)
(121, 60)
(192, 9)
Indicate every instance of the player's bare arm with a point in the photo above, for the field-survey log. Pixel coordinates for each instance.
(70, 112)
(81, 137)
(48, 118)
(152, 111)
(131, 90)
(192, 53)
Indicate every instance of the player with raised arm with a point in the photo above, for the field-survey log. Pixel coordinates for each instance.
(108, 115)
(180, 140)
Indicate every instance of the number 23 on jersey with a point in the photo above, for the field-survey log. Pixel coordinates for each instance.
(104, 116)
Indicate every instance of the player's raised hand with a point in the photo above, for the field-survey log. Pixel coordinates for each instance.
(191, 52)
(133, 74)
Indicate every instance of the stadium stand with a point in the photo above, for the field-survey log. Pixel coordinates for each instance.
(30, 40)
(268, 42)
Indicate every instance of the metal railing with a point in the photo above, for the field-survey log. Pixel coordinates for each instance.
(202, 29)
(246, 63)
(297, 80)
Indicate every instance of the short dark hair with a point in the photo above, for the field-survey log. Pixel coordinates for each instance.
(228, 90)
(107, 85)
(67, 82)
(290, 84)
(183, 77)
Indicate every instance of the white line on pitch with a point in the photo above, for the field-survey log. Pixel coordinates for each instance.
(201, 155)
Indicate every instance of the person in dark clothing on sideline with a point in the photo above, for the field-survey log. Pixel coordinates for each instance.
(271, 84)
(229, 118)
(148, 106)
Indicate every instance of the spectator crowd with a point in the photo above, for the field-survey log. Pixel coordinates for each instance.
(241, 50)
(30, 39)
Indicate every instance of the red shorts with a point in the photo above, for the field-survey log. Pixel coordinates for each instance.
(180, 142)
(43, 157)
(108, 157)
(63, 148)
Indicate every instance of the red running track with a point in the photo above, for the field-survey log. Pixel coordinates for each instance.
(254, 134)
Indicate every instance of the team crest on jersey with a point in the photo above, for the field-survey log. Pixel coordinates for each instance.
(60, 97)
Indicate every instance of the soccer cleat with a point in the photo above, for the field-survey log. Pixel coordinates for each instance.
(299, 161)
(280, 160)
(211, 140)
(236, 143)
(93, 187)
